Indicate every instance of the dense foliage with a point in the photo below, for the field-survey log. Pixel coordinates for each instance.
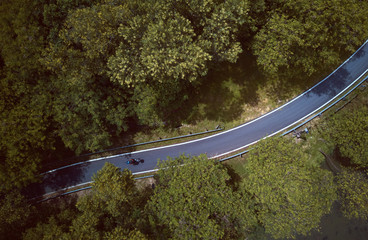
(193, 200)
(75, 74)
(348, 131)
(291, 192)
(112, 210)
(14, 215)
(299, 36)
(190, 201)
(353, 193)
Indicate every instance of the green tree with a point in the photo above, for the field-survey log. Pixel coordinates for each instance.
(120, 234)
(353, 193)
(303, 37)
(24, 137)
(273, 45)
(165, 51)
(88, 108)
(24, 96)
(14, 215)
(175, 40)
(221, 29)
(87, 117)
(348, 131)
(291, 191)
(193, 201)
(56, 226)
(46, 231)
(55, 12)
(113, 202)
(170, 45)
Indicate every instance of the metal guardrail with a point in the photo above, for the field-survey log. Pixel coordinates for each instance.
(217, 129)
(81, 189)
(235, 155)
(341, 107)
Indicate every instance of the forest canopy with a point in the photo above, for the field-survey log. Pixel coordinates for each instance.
(74, 74)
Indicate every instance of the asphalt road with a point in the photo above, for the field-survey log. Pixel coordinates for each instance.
(224, 142)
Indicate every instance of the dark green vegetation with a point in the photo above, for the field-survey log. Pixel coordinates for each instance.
(353, 193)
(77, 74)
(348, 131)
(347, 135)
(194, 201)
(292, 192)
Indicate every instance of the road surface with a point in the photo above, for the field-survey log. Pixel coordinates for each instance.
(221, 143)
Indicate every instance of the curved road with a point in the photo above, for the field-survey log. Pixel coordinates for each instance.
(222, 143)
